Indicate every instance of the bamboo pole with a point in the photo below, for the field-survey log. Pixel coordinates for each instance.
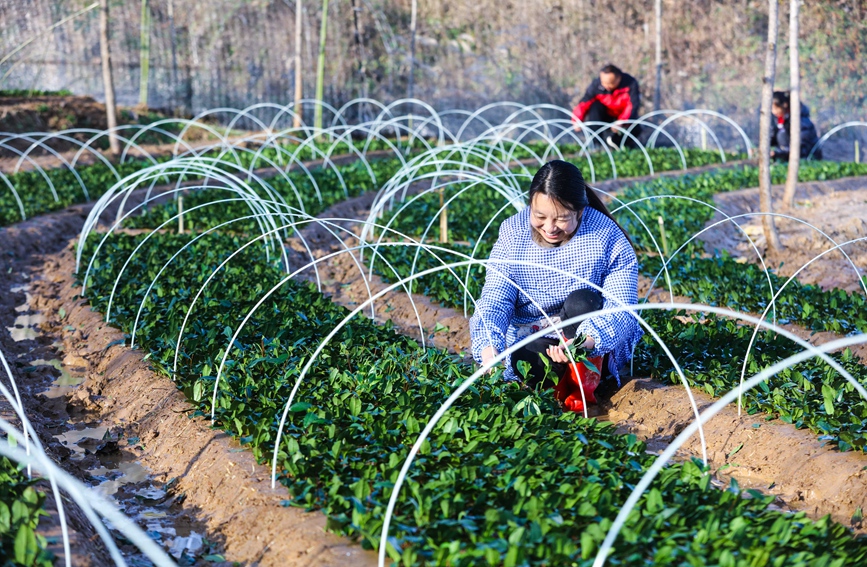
(173, 40)
(444, 219)
(362, 60)
(657, 91)
(144, 54)
(299, 11)
(320, 68)
(107, 80)
(661, 222)
(180, 214)
(412, 27)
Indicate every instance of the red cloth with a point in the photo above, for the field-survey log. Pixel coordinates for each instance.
(568, 390)
(617, 103)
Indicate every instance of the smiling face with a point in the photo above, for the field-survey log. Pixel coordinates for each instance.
(554, 222)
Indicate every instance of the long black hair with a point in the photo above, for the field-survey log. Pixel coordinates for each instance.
(563, 182)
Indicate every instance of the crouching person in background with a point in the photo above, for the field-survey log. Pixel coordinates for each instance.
(781, 130)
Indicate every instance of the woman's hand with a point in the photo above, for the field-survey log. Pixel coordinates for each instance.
(488, 355)
(557, 353)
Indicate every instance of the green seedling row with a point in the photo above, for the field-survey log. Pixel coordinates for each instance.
(505, 479)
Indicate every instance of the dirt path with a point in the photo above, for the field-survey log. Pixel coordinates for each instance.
(838, 208)
(224, 488)
(804, 472)
(47, 160)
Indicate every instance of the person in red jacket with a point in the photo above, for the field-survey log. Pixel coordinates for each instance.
(613, 96)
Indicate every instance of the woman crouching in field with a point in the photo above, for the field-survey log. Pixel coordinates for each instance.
(546, 257)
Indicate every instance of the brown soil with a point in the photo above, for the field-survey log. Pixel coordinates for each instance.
(342, 279)
(838, 208)
(224, 487)
(804, 472)
(54, 113)
(13, 163)
(50, 113)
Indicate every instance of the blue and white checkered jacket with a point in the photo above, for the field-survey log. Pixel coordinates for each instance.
(599, 252)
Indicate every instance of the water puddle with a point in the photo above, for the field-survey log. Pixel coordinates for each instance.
(64, 384)
(154, 507)
(85, 441)
(26, 305)
(115, 473)
(129, 472)
(24, 327)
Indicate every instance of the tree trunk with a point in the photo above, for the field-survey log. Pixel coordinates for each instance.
(794, 108)
(299, 13)
(320, 68)
(108, 83)
(768, 224)
(359, 52)
(657, 91)
(173, 39)
(412, 26)
(144, 54)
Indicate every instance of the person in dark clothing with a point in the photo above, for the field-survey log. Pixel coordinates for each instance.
(781, 128)
(612, 96)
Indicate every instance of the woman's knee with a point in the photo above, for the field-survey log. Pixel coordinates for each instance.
(581, 302)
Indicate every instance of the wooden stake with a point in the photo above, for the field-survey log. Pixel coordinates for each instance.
(772, 237)
(444, 219)
(662, 232)
(107, 80)
(665, 245)
(180, 214)
(857, 152)
(794, 108)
